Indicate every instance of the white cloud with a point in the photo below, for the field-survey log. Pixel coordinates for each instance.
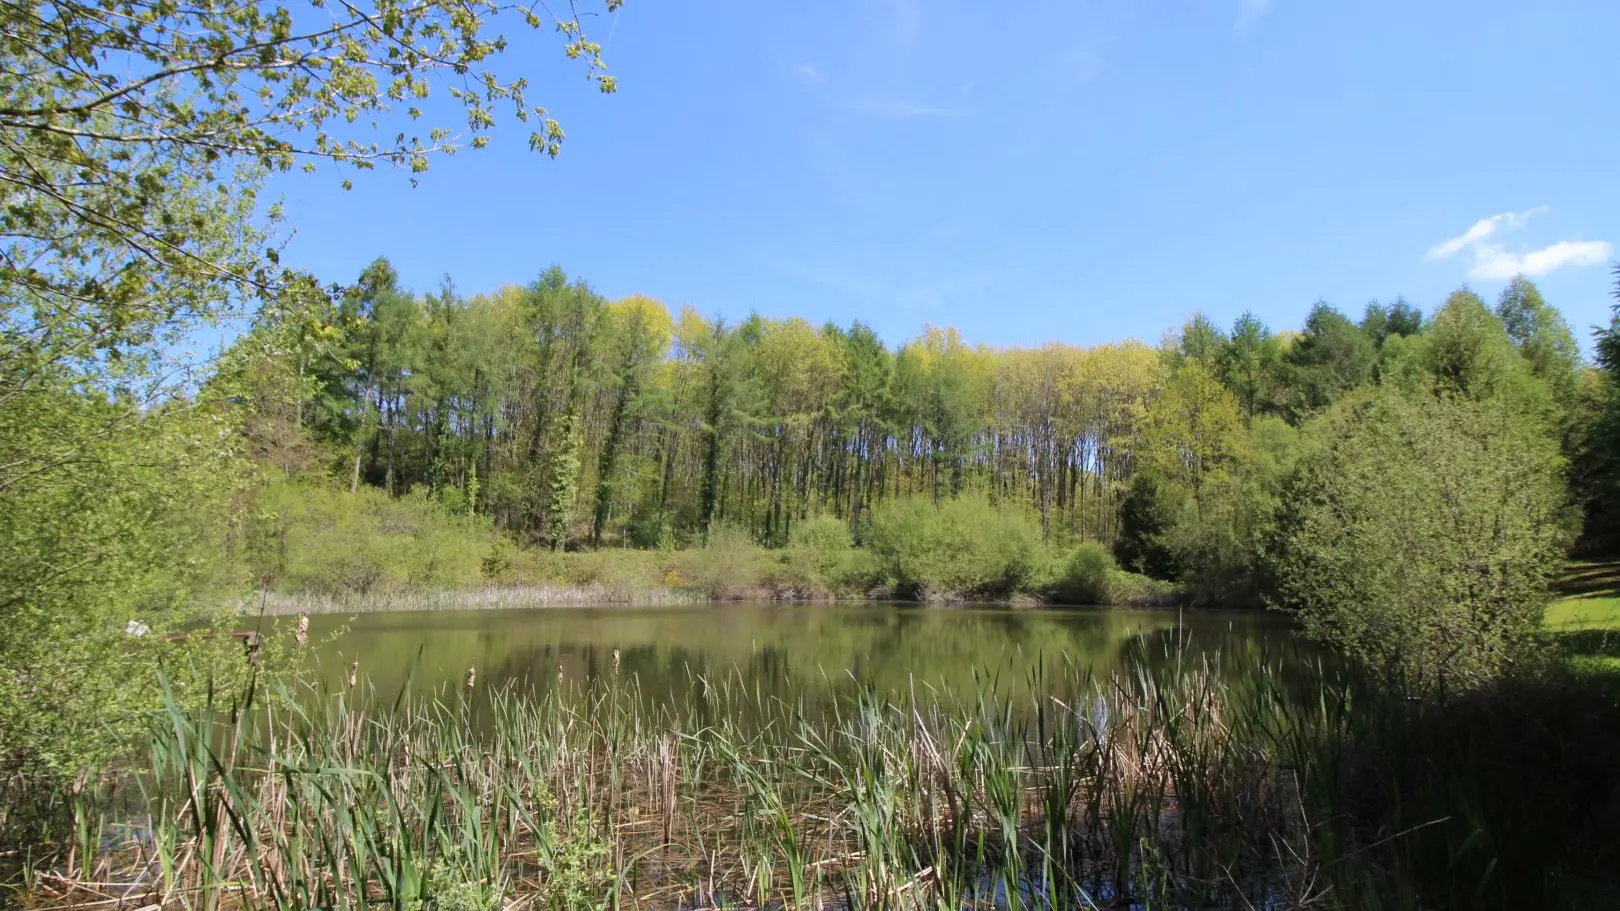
(1493, 262)
(1481, 230)
(809, 72)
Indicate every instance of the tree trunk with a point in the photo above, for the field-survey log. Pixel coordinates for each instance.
(609, 460)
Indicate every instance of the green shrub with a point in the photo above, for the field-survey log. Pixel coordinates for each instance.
(1127, 588)
(820, 545)
(966, 547)
(728, 566)
(1217, 542)
(612, 567)
(320, 540)
(500, 564)
(111, 519)
(858, 575)
(1084, 579)
(449, 885)
(616, 568)
(579, 868)
(1420, 533)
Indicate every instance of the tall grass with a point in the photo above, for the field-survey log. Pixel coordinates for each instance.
(1293, 786)
(493, 597)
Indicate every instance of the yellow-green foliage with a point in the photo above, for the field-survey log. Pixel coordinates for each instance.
(1123, 588)
(820, 544)
(729, 565)
(313, 538)
(613, 568)
(964, 547)
(1422, 532)
(110, 523)
(317, 540)
(818, 561)
(1085, 575)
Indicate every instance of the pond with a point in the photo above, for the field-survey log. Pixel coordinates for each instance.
(809, 653)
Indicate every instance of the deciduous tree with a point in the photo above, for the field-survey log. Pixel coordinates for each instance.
(1422, 530)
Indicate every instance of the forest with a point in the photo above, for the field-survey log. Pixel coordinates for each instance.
(571, 422)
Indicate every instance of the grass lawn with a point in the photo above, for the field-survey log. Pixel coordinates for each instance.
(1584, 613)
(1584, 623)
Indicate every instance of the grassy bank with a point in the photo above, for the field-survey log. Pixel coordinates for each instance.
(1583, 625)
(1294, 787)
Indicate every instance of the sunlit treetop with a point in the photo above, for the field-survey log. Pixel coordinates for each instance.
(134, 134)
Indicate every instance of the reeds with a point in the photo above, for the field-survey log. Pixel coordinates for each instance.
(1176, 788)
(502, 597)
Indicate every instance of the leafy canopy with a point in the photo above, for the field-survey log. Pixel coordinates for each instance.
(133, 135)
(1420, 532)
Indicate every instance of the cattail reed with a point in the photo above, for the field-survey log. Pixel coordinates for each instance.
(1168, 788)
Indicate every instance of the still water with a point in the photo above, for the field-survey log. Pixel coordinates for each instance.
(808, 653)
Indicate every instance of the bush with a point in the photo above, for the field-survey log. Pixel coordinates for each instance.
(1124, 588)
(1421, 532)
(728, 567)
(966, 547)
(1219, 544)
(820, 545)
(1084, 578)
(621, 569)
(618, 568)
(109, 516)
(500, 564)
(859, 575)
(318, 540)
(1087, 574)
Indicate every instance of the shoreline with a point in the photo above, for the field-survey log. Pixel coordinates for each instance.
(495, 597)
(521, 597)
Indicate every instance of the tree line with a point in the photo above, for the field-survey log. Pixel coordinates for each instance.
(576, 421)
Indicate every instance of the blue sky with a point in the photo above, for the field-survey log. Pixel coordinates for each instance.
(1082, 171)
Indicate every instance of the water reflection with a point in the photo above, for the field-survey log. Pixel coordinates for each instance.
(803, 654)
